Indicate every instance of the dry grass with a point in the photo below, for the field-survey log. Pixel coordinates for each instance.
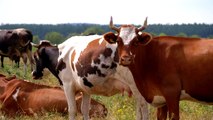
(119, 107)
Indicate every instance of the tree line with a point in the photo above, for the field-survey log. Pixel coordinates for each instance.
(59, 32)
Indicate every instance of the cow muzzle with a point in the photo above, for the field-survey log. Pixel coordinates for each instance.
(126, 60)
(37, 75)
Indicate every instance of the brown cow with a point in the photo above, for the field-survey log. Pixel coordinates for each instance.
(168, 69)
(22, 97)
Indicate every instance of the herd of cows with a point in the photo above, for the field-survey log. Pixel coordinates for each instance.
(159, 70)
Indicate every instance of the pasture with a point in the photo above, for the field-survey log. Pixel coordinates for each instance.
(119, 107)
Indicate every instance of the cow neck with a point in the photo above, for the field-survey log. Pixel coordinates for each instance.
(52, 61)
(144, 60)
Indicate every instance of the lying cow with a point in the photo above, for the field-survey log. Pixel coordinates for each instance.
(15, 44)
(89, 64)
(22, 97)
(168, 69)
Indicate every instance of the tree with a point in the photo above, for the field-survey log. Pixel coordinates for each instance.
(72, 34)
(195, 36)
(54, 37)
(93, 30)
(210, 36)
(162, 34)
(181, 34)
(36, 39)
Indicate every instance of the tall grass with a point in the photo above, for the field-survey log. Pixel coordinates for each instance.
(119, 107)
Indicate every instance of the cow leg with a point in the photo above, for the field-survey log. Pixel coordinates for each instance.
(124, 74)
(30, 57)
(173, 107)
(2, 60)
(85, 105)
(17, 62)
(142, 112)
(24, 58)
(70, 95)
(162, 113)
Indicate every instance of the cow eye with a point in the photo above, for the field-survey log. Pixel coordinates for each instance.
(135, 43)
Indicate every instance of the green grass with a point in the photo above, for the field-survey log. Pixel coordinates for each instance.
(119, 107)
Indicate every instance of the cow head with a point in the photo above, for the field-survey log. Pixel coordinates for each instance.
(128, 38)
(24, 36)
(40, 58)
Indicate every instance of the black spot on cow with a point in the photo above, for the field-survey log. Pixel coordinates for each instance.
(107, 52)
(116, 58)
(105, 66)
(84, 71)
(61, 65)
(100, 74)
(97, 61)
(113, 65)
(87, 83)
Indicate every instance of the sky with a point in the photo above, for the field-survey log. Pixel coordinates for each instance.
(99, 11)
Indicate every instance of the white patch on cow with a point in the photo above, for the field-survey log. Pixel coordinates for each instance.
(127, 34)
(101, 40)
(158, 101)
(140, 33)
(19, 30)
(186, 96)
(16, 94)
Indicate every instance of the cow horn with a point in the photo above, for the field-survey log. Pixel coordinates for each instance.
(144, 25)
(112, 26)
(25, 44)
(34, 45)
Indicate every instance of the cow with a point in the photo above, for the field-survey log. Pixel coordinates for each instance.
(8, 43)
(15, 44)
(167, 69)
(89, 64)
(20, 97)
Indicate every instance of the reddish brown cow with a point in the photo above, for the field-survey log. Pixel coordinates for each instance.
(3, 82)
(168, 69)
(22, 97)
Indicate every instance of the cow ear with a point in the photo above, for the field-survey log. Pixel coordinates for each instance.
(144, 38)
(110, 37)
(14, 36)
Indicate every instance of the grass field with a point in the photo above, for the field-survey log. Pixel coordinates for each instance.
(119, 107)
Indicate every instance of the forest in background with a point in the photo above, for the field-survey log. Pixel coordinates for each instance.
(60, 32)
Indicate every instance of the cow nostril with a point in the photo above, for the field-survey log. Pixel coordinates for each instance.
(37, 75)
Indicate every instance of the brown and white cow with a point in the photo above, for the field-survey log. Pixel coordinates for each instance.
(15, 44)
(168, 69)
(26, 98)
(89, 64)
